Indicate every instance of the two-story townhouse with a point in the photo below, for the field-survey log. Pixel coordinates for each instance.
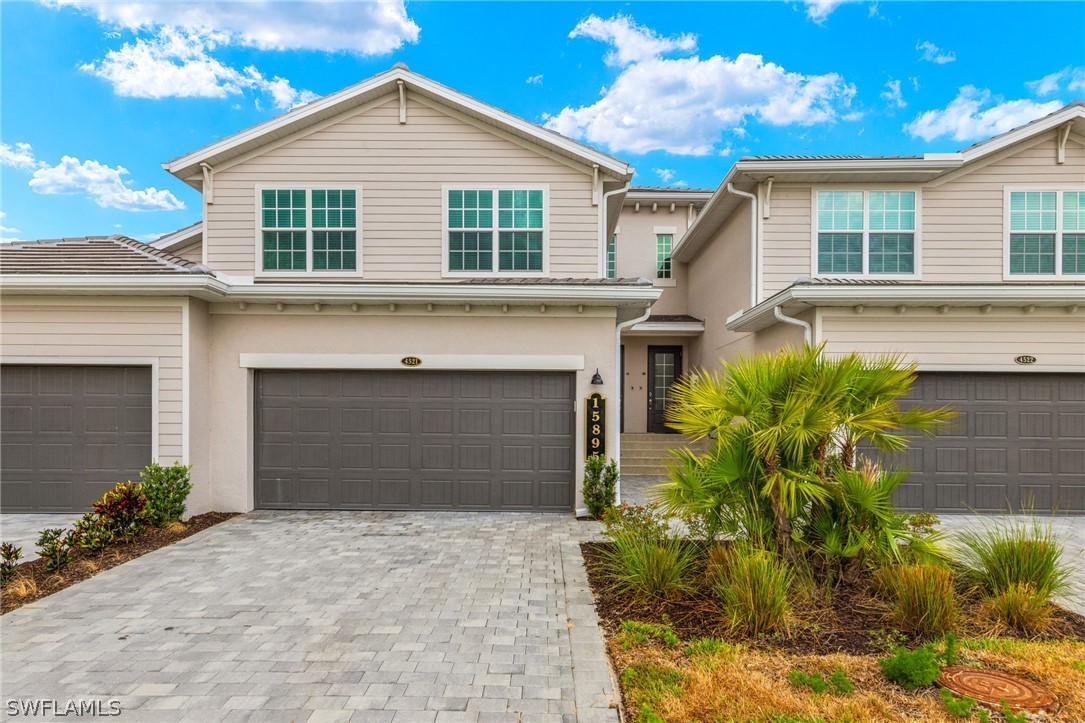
(395, 300)
(971, 264)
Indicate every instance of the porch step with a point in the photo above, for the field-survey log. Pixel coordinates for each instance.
(649, 454)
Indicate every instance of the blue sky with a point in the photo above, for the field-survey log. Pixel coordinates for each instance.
(96, 95)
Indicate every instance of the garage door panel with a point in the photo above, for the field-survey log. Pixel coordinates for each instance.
(427, 440)
(16, 419)
(1016, 444)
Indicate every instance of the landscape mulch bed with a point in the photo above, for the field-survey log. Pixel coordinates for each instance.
(36, 582)
(855, 623)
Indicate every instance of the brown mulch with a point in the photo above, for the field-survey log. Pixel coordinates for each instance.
(33, 582)
(855, 622)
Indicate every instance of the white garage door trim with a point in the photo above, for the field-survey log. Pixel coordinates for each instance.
(462, 362)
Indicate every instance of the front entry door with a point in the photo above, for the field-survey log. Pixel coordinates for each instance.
(664, 366)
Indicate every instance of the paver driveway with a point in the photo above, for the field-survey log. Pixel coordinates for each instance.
(314, 617)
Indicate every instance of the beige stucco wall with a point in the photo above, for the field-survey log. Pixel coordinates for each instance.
(401, 169)
(636, 251)
(199, 402)
(961, 339)
(116, 331)
(408, 331)
(961, 215)
(635, 383)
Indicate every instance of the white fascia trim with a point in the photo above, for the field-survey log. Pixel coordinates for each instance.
(675, 196)
(1043, 125)
(461, 362)
(945, 162)
(214, 289)
(589, 155)
(667, 327)
(763, 315)
(178, 239)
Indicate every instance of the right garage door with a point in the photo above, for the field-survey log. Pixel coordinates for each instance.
(1019, 443)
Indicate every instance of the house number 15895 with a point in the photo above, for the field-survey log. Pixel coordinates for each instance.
(595, 418)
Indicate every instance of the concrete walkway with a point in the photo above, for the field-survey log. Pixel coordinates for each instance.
(1070, 531)
(340, 616)
(23, 530)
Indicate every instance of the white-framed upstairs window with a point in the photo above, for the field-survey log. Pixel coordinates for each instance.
(866, 233)
(496, 229)
(308, 229)
(1045, 234)
(612, 256)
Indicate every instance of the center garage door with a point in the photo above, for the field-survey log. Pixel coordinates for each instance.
(1018, 442)
(414, 440)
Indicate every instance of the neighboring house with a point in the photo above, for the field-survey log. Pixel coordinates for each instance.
(399, 298)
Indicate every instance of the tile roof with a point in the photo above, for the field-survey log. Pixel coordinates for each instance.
(92, 255)
(671, 189)
(673, 319)
(827, 158)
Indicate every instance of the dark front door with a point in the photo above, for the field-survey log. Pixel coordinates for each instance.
(664, 366)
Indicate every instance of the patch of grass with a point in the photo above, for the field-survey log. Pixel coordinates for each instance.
(634, 633)
(957, 707)
(837, 683)
(649, 568)
(1010, 553)
(1078, 665)
(1022, 608)
(923, 597)
(21, 587)
(753, 588)
(707, 646)
(791, 718)
(645, 684)
(912, 669)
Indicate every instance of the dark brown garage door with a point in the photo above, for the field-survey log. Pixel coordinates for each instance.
(417, 440)
(1018, 443)
(69, 433)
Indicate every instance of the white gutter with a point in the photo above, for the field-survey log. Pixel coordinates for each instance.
(807, 330)
(213, 289)
(618, 385)
(603, 240)
(753, 239)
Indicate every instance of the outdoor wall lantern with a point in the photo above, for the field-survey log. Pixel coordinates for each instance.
(598, 380)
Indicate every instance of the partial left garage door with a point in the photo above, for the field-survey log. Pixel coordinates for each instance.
(415, 440)
(69, 433)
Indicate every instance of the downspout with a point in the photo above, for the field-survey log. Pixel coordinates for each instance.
(603, 240)
(753, 238)
(619, 386)
(807, 330)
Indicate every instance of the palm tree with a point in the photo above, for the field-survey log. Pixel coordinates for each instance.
(781, 427)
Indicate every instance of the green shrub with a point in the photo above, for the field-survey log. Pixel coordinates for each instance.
(166, 489)
(923, 597)
(646, 567)
(636, 521)
(123, 509)
(1021, 607)
(912, 669)
(957, 707)
(753, 588)
(9, 561)
(837, 683)
(950, 654)
(93, 533)
(54, 547)
(633, 631)
(1014, 553)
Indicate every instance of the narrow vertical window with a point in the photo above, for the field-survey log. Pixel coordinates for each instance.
(664, 242)
(612, 247)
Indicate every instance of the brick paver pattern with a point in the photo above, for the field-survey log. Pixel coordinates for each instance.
(311, 616)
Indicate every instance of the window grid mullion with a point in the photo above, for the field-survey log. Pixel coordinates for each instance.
(1058, 232)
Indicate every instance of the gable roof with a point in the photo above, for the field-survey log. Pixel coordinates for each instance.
(749, 171)
(187, 167)
(180, 238)
(92, 255)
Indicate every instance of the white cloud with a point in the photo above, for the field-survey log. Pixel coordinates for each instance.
(8, 229)
(665, 174)
(975, 114)
(934, 54)
(534, 79)
(377, 27)
(21, 156)
(820, 10)
(684, 105)
(892, 94)
(915, 81)
(631, 43)
(178, 64)
(103, 184)
(1072, 79)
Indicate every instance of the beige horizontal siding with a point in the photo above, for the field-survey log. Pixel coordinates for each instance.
(401, 169)
(59, 329)
(963, 338)
(962, 234)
